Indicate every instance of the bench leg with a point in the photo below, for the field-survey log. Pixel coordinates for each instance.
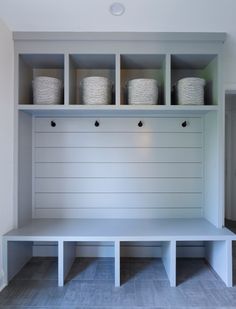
(169, 260)
(66, 256)
(117, 263)
(219, 256)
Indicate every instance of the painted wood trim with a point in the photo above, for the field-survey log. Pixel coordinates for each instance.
(16, 255)
(167, 80)
(60, 248)
(5, 260)
(219, 257)
(117, 36)
(69, 254)
(117, 86)
(169, 260)
(117, 263)
(126, 229)
(66, 98)
(229, 263)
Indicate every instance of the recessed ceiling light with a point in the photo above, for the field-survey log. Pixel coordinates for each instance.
(117, 9)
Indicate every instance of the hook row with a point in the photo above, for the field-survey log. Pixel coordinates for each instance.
(184, 124)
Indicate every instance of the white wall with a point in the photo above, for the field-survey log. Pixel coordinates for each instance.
(6, 134)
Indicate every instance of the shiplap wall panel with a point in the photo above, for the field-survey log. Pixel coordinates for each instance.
(109, 185)
(118, 169)
(118, 155)
(118, 139)
(123, 213)
(117, 200)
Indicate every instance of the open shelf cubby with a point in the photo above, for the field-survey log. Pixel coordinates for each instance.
(143, 66)
(195, 65)
(34, 65)
(86, 65)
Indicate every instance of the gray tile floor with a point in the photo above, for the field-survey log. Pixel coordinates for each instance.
(90, 285)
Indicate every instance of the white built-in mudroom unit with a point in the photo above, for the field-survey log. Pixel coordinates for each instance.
(118, 179)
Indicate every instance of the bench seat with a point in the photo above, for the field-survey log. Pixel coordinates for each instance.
(66, 232)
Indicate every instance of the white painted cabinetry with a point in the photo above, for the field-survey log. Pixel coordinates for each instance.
(120, 173)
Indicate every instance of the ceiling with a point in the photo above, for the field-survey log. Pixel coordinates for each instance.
(140, 15)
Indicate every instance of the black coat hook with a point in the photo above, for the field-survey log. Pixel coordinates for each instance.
(140, 124)
(96, 123)
(53, 124)
(184, 124)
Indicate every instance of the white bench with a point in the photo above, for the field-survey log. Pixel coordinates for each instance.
(17, 244)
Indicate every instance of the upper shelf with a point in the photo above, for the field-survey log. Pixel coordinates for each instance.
(167, 69)
(122, 110)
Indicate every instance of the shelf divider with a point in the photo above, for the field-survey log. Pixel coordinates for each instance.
(118, 82)
(66, 80)
(167, 81)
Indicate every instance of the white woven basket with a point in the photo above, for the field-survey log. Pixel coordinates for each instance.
(96, 90)
(142, 91)
(47, 90)
(190, 91)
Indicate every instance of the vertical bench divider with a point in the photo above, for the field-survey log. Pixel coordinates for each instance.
(66, 256)
(15, 255)
(219, 256)
(229, 264)
(117, 263)
(69, 256)
(169, 260)
(60, 263)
